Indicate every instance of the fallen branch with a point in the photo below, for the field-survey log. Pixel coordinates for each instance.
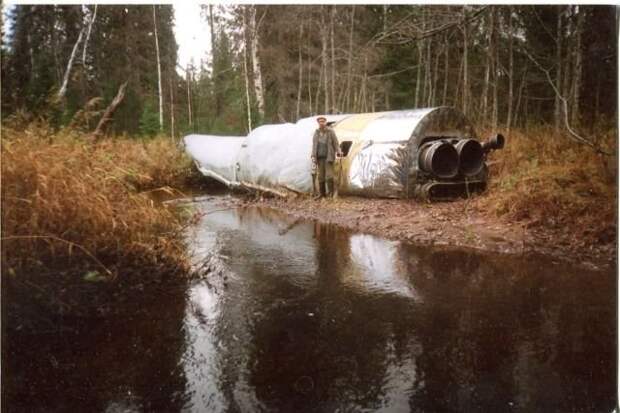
(109, 112)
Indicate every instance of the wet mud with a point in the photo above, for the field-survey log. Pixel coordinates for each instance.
(290, 314)
(460, 223)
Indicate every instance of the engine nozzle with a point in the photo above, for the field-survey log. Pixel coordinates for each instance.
(495, 142)
(439, 158)
(471, 156)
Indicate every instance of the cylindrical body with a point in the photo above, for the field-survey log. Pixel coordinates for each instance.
(427, 153)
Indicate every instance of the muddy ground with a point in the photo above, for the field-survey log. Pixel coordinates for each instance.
(460, 223)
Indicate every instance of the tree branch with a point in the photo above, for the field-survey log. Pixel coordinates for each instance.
(432, 32)
(109, 112)
(570, 130)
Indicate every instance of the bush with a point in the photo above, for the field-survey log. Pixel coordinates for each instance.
(551, 180)
(149, 122)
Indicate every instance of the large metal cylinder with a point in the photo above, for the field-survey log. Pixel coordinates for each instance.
(471, 156)
(439, 158)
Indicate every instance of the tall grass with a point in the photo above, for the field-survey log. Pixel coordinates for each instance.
(70, 207)
(552, 181)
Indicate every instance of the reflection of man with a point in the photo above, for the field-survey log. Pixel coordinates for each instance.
(324, 151)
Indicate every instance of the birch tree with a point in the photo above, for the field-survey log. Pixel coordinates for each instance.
(245, 70)
(510, 69)
(301, 71)
(63, 88)
(90, 28)
(188, 80)
(465, 30)
(256, 66)
(161, 98)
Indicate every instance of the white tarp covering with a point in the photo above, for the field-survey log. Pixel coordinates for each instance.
(215, 156)
(277, 156)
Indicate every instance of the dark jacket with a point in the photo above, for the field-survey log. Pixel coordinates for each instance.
(332, 144)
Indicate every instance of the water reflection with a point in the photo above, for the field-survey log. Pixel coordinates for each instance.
(378, 265)
(130, 363)
(319, 319)
(299, 316)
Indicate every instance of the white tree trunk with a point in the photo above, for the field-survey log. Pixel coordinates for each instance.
(256, 67)
(495, 54)
(212, 32)
(189, 79)
(161, 98)
(558, 78)
(245, 70)
(446, 68)
(171, 111)
(90, 28)
(416, 102)
(465, 71)
(484, 104)
(300, 84)
(429, 73)
(324, 62)
(510, 71)
(435, 79)
(65, 80)
(578, 70)
(350, 61)
(333, 60)
(309, 81)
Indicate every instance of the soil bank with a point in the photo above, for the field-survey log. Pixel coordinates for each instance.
(464, 223)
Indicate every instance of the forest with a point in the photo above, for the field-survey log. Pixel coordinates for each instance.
(504, 66)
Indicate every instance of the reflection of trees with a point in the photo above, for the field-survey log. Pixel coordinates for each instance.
(92, 364)
(327, 347)
(499, 334)
(478, 333)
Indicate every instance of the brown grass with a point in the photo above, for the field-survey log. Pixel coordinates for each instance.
(552, 181)
(71, 207)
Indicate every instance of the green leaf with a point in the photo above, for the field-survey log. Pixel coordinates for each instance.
(93, 276)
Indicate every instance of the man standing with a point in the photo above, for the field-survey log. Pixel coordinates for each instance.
(324, 151)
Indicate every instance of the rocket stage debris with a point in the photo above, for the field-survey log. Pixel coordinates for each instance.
(429, 153)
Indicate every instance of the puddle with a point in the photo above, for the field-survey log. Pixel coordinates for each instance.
(299, 316)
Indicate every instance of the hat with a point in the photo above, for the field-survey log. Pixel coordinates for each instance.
(320, 117)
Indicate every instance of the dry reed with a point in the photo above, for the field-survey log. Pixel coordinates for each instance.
(552, 181)
(69, 206)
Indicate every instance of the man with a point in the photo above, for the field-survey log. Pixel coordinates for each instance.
(324, 151)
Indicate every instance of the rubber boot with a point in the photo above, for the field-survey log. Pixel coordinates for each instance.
(321, 190)
(330, 188)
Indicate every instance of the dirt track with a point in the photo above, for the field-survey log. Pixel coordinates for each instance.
(462, 223)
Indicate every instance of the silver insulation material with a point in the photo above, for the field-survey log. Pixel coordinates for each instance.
(379, 170)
